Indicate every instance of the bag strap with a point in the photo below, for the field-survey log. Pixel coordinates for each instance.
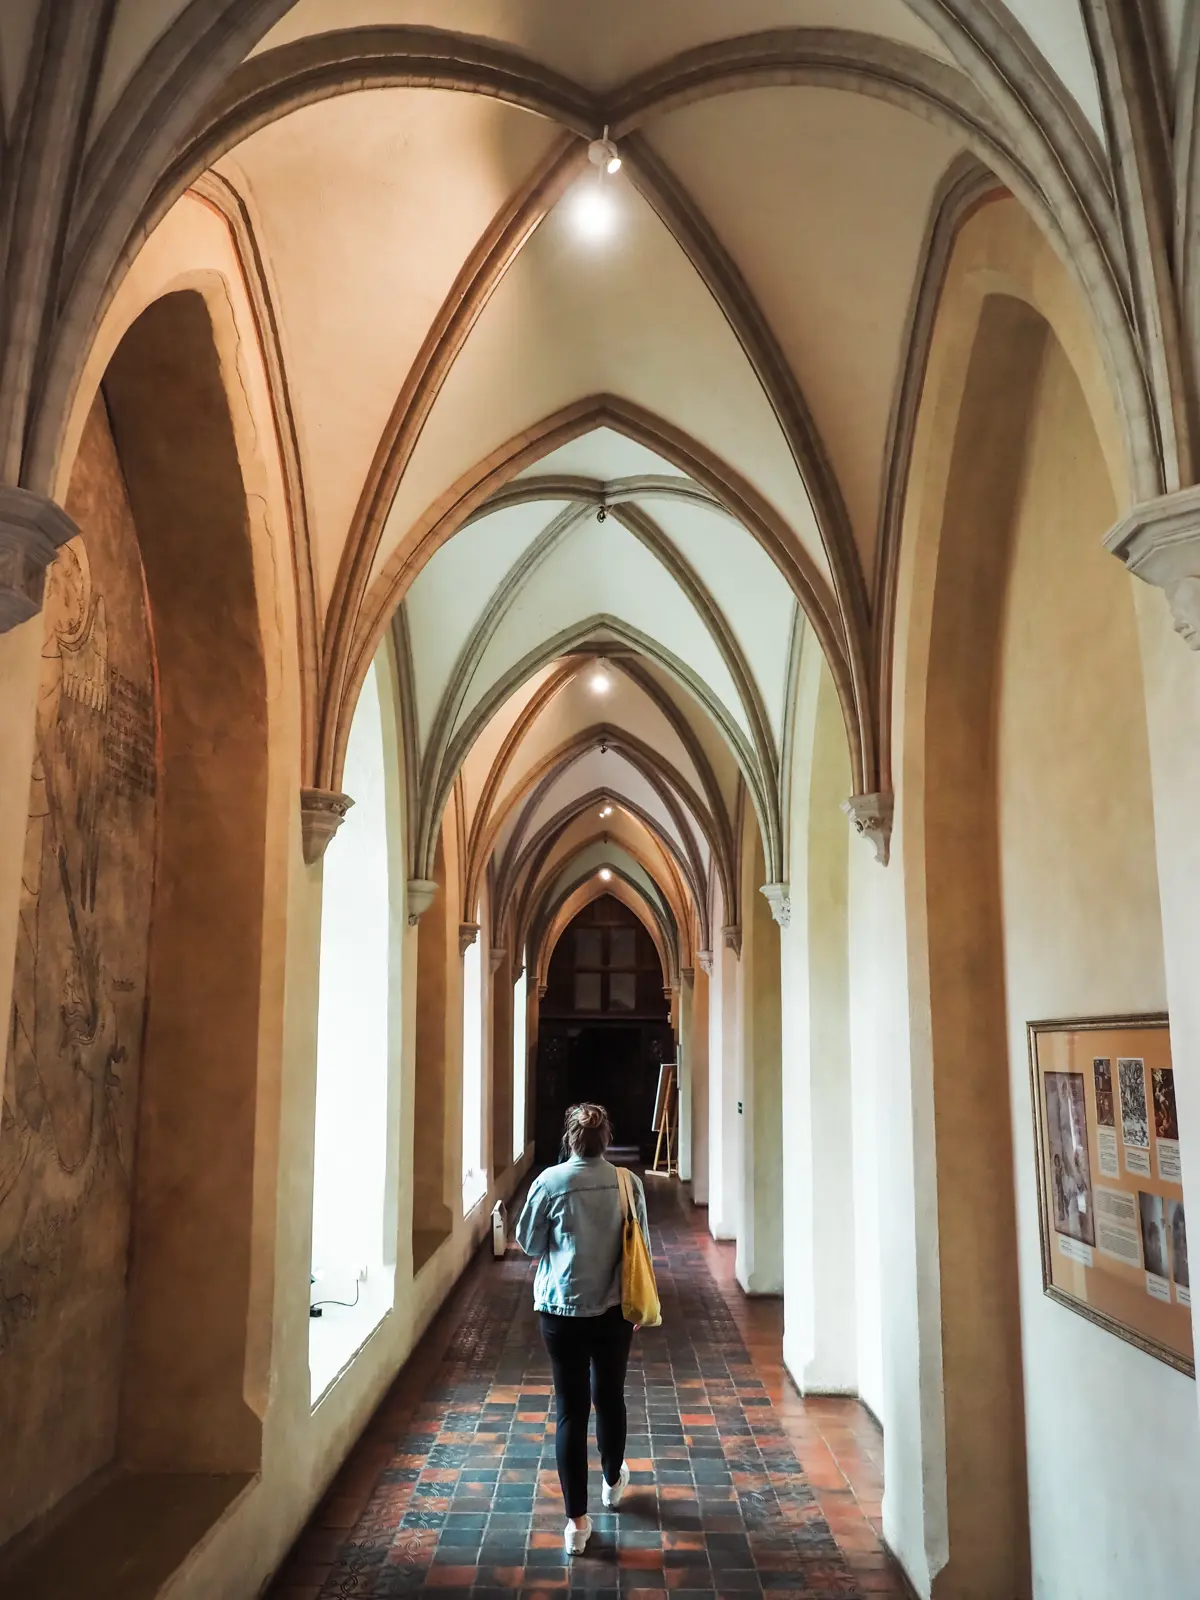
(623, 1188)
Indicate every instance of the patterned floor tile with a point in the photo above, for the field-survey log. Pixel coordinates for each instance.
(452, 1490)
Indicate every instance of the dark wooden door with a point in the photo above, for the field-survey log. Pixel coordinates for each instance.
(603, 1028)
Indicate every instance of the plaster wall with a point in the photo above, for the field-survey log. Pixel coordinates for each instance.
(760, 1235)
(700, 1086)
(820, 1253)
(20, 670)
(998, 251)
(300, 1446)
(724, 1077)
(436, 942)
(75, 1044)
(501, 1040)
(895, 1220)
(683, 1011)
(1112, 1483)
(303, 1444)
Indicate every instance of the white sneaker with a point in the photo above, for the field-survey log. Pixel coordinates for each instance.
(612, 1492)
(576, 1535)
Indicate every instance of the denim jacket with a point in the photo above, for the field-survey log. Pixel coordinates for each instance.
(572, 1222)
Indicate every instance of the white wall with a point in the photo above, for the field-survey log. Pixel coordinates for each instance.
(821, 1256)
(1113, 1435)
(895, 1210)
(724, 1080)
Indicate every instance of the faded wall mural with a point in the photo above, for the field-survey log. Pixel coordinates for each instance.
(79, 1000)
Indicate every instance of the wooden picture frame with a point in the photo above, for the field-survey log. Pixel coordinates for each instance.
(662, 1096)
(1110, 1196)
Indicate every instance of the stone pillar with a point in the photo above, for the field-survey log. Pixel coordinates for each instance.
(699, 1077)
(501, 1055)
(760, 1236)
(532, 1018)
(432, 1218)
(819, 1327)
(724, 1099)
(684, 1132)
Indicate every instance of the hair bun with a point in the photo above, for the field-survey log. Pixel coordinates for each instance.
(588, 1130)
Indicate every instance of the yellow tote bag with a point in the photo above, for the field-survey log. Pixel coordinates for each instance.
(639, 1291)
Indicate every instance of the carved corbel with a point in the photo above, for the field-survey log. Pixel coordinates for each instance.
(1159, 541)
(420, 896)
(779, 897)
(704, 957)
(322, 812)
(688, 974)
(468, 932)
(32, 529)
(496, 956)
(871, 815)
(731, 935)
(542, 988)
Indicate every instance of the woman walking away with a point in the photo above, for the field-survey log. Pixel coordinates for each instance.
(573, 1223)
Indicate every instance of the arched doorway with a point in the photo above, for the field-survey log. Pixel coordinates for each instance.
(604, 1027)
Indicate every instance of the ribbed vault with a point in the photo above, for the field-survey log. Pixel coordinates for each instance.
(520, 455)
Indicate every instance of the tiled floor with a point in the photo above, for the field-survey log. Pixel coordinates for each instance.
(739, 1488)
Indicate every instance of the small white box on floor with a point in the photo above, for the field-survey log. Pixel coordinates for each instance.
(499, 1230)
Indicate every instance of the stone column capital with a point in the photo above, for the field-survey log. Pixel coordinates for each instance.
(1159, 541)
(31, 530)
(322, 812)
(731, 936)
(871, 815)
(779, 897)
(496, 957)
(468, 932)
(704, 957)
(688, 974)
(419, 897)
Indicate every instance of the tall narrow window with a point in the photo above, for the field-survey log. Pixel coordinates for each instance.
(474, 1179)
(351, 1261)
(519, 1067)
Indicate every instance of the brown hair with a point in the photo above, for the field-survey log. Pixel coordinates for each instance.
(588, 1131)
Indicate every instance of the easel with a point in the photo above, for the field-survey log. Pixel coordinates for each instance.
(666, 1160)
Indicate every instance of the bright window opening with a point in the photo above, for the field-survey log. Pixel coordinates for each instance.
(520, 1067)
(474, 1178)
(352, 1263)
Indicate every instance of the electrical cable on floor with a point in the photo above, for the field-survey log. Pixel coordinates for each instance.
(314, 1309)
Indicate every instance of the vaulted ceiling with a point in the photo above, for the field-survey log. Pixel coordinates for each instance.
(597, 450)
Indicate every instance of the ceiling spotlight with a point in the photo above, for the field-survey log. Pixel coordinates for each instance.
(607, 811)
(603, 153)
(598, 682)
(605, 874)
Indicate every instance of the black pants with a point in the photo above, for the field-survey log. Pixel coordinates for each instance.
(588, 1356)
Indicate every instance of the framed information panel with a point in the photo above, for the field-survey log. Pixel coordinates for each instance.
(1110, 1190)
